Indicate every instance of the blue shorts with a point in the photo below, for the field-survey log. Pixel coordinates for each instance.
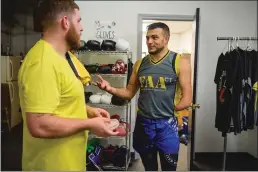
(161, 134)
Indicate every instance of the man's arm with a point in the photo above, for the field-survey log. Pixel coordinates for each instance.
(51, 126)
(93, 112)
(125, 93)
(131, 89)
(185, 83)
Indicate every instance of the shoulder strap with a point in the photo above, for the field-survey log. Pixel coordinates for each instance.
(143, 59)
(67, 56)
(175, 63)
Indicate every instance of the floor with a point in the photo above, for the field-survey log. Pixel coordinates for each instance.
(182, 161)
(11, 151)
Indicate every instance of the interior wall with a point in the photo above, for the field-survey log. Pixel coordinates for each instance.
(226, 21)
(186, 41)
(5, 38)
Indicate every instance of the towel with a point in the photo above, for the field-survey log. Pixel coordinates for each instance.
(255, 88)
(78, 68)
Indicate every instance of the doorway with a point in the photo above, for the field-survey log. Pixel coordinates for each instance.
(180, 42)
(184, 39)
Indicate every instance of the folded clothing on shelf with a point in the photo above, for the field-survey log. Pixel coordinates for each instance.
(105, 68)
(92, 68)
(93, 159)
(118, 68)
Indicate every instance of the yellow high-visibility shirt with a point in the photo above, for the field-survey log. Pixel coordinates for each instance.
(47, 84)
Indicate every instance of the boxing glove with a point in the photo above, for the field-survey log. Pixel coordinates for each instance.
(93, 45)
(108, 45)
(95, 99)
(105, 99)
(122, 45)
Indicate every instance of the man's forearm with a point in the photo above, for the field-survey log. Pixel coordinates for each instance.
(49, 126)
(183, 104)
(89, 111)
(121, 92)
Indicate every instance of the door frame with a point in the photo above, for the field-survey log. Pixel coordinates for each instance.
(139, 55)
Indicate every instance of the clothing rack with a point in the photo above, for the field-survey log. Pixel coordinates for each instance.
(236, 38)
(229, 45)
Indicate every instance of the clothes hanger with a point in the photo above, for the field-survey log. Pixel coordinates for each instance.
(248, 48)
(231, 45)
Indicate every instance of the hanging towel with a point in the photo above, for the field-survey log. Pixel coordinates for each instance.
(255, 87)
(78, 68)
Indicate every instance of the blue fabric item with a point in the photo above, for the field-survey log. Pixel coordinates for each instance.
(161, 133)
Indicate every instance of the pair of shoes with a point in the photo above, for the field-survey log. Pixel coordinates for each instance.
(113, 155)
(106, 154)
(100, 98)
(122, 128)
(119, 156)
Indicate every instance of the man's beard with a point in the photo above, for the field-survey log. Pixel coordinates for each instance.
(73, 39)
(158, 50)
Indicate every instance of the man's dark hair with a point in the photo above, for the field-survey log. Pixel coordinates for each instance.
(161, 25)
(47, 12)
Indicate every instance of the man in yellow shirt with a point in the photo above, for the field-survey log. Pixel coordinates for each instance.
(56, 119)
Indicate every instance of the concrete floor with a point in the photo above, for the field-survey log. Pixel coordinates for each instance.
(182, 161)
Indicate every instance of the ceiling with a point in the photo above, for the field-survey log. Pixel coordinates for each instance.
(9, 8)
(176, 27)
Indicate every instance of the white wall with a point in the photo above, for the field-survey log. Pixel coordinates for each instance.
(174, 42)
(252, 142)
(186, 41)
(217, 19)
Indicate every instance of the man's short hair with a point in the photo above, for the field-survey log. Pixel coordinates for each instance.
(161, 25)
(47, 11)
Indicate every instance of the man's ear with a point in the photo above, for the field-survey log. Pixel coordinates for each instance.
(167, 38)
(65, 22)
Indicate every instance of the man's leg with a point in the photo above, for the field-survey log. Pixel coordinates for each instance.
(168, 143)
(168, 161)
(150, 160)
(144, 142)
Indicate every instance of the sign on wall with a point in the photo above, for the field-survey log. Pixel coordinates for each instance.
(105, 30)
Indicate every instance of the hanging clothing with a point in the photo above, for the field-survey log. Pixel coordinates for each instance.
(223, 79)
(235, 76)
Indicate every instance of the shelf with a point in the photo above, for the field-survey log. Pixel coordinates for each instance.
(103, 52)
(116, 168)
(106, 105)
(112, 168)
(91, 136)
(110, 75)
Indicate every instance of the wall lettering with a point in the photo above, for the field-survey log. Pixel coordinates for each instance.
(105, 30)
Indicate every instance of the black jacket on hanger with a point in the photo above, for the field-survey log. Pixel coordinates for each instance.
(236, 73)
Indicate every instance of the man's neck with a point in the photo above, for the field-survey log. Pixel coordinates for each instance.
(57, 43)
(160, 55)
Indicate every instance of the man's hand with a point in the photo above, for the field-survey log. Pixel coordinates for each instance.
(103, 84)
(100, 127)
(97, 112)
